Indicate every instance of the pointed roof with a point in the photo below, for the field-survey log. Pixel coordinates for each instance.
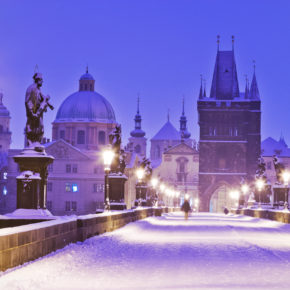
(167, 132)
(254, 91)
(137, 132)
(282, 141)
(181, 148)
(225, 84)
(200, 90)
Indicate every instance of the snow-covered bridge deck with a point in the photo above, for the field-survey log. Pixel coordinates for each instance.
(208, 251)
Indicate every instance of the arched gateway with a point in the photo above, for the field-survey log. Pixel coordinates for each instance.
(220, 199)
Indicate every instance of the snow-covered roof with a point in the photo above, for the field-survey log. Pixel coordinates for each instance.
(272, 147)
(167, 132)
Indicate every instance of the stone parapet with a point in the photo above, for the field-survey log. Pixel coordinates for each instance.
(25, 243)
(274, 215)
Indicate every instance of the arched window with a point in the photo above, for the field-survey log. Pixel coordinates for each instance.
(137, 148)
(91, 87)
(81, 137)
(102, 137)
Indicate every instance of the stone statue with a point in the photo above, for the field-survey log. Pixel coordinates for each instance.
(36, 104)
(260, 172)
(146, 165)
(118, 163)
(279, 167)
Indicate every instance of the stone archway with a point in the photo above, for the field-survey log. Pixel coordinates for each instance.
(221, 199)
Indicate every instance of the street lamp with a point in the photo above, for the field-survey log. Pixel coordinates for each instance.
(286, 177)
(260, 185)
(140, 174)
(108, 155)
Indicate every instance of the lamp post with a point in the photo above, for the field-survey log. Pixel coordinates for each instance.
(260, 185)
(286, 177)
(245, 189)
(108, 155)
(140, 174)
(154, 183)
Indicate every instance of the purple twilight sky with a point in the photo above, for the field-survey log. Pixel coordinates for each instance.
(156, 48)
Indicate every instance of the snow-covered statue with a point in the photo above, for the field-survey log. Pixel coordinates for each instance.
(260, 172)
(36, 104)
(279, 167)
(118, 164)
(146, 165)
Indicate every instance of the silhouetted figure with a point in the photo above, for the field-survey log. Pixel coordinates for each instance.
(226, 211)
(186, 208)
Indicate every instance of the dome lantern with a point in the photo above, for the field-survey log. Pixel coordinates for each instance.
(87, 82)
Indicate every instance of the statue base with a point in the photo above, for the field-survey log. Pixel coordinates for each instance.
(32, 181)
(117, 191)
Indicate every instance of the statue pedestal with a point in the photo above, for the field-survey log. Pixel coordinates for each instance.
(117, 191)
(32, 181)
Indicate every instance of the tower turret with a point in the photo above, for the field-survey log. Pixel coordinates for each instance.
(183, 124)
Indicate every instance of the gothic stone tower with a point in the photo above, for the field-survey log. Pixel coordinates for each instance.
(230, 126)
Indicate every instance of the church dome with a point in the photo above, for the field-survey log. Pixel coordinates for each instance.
(86, 105)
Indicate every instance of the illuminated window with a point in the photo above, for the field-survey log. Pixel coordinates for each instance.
(4, 175)
(75, 188)
(5, 190)
(98, 187)
(67, 187)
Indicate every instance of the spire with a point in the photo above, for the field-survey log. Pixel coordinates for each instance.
(254, 91)
(183, 124)
(225, 84)
(247, 87)
(282, 140)
(168, 116)
(204, 89)
(218, 42)
(87, 69)
(233, 42)
(137, 132)
(200, 90)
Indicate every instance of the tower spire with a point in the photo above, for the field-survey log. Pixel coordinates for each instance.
(87, 69)
(183, 124)
(218, 42)
(168, 116)
(200, 90)
(233, 42)
(137, 132)
(204, 88)
(254, 91)
(247, 87)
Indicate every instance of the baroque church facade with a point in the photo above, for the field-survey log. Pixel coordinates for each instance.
(230, 134)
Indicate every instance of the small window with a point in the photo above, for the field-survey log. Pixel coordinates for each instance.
(102, 138)
(86, 87)
(74, 206)
(61, 134)
(98, 187)
(49, 205)
(50, 167)
(68, 168)
(67, 187)
(5, 190)
(49, 186)
(81, 137)
(67, 205)
(4, 175)
(75, 168)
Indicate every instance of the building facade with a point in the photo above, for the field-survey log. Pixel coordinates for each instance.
(230, 134)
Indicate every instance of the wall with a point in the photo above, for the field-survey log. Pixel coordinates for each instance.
(21, 244)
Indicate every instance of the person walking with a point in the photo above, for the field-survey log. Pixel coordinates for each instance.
(186, 208)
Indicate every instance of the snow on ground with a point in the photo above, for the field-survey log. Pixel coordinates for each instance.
(208, 251)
